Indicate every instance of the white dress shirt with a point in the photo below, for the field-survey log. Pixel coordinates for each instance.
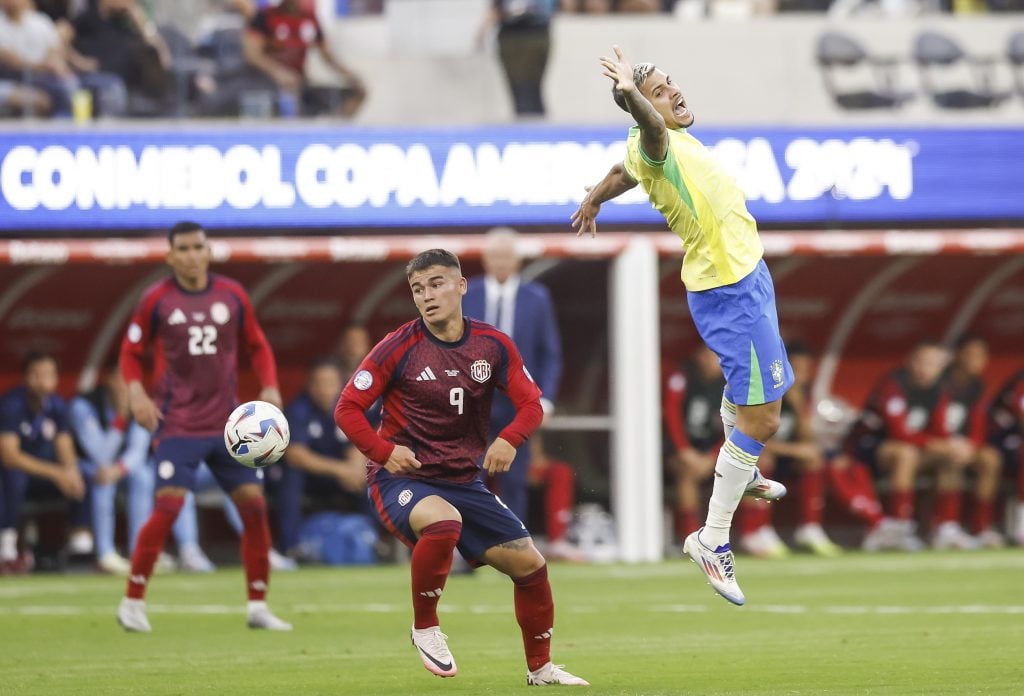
(501, 295)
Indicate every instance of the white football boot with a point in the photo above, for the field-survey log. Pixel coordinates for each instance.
(131, 615)
(260, 616)
(813, 538)
(432, 646)
(764, 488)
(551, 674)
(193, 560)
(950, 535)
(717, 566)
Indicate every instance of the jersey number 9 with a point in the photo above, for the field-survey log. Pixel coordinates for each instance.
(455, 398)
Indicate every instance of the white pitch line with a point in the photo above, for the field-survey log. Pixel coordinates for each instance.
(223, 609)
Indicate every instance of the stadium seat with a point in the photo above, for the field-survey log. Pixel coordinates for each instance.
(1015, 55)
(840, 53)
(938, 56)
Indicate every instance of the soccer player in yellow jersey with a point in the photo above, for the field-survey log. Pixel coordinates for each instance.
(728, 289)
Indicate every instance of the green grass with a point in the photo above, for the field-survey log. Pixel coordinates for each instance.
(926, 624)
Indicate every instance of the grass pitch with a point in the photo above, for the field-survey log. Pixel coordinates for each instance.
(932, 623)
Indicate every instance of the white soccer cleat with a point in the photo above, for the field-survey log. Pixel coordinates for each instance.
(193, 560)
(114, 563)
(990, 539)
(432, 645)
(764, 488)
(764, 543)
(551, 675)
(813, 538)
(131, 615)
(717, 565)
(950, 535)
(165, 563)
(887, 534)
(260, 617)
(281, 562)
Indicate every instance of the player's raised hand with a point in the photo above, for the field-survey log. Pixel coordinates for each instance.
(584, 220)
(499, 456)
(272, 395)
(619, 71)
(401, 461)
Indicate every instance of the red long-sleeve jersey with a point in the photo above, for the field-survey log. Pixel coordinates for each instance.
(194, 338)
(437, 399)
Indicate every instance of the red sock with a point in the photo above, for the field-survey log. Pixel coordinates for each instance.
(559, 498)
(151, 542)
(255, 547)
(755, 514)
(685, 522)
(901, 504)
(947, 507)
(984, 511)
(853, 489)
(535, 612)
(431, 562)
(811, 494)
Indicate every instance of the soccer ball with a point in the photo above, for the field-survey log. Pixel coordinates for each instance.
(256, 434)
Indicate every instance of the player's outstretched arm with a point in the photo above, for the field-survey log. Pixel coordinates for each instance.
(615, 183)
(653, 133)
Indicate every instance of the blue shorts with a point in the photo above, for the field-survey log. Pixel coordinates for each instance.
(486, 522)
(178, 458)
(740, 325)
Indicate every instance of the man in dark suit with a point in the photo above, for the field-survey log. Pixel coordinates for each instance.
(522, 309)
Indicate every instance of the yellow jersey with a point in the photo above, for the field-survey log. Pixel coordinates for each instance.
(702, 204)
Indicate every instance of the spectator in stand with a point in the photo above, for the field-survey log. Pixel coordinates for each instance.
(523, 310)
(556, 479)
(112, 449)
(1005, 432)
(19, 100)
(693, 425)
(353, 345)
(902, 431)
(966, 419)
(33, 51)
(119, 36)
(795, 446)
(320, 463)
(276, 44)
(38, 460)
(524, 42)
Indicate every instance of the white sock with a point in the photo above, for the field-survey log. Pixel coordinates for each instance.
(8, 544)
(728, 411)
(734, 470)
(256, 605)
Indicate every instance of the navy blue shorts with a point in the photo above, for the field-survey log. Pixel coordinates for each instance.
(739, 324)
(486, 522)
(177, 459)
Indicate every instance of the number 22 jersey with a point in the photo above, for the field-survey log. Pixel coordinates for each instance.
(195, 338)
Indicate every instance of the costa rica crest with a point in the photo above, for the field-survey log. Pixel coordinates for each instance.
(480, 371)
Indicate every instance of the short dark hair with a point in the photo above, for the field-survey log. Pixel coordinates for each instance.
(183, 227)
(963, 340)
(432, 257)
(322, 361)
(798, 348)
(33, 357)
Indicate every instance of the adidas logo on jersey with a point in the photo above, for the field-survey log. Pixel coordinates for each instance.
(426, 376)
(177, 317)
